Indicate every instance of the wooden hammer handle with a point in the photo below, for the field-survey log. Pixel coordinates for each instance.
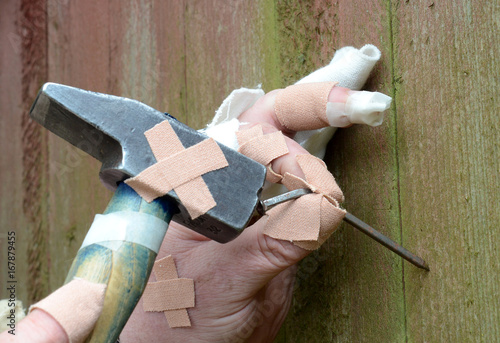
(125, 268)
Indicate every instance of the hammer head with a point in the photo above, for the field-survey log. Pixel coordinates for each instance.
(111, 129)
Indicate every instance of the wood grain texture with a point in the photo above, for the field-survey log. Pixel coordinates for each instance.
(448, 151)
(79, 56)
(171, 54)
(351, 290)
(25, 56)
(32, 22)
(428, 177)
(11, 162)
(223, 42)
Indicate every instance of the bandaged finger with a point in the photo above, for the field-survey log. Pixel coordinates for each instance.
(309, 220)
(262, 148)
(307, 106)
(76, 306)
(360, 108)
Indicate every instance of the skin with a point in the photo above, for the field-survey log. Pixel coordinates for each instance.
(243, 288)
(37, 327)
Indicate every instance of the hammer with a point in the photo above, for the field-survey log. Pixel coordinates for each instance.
(111, 129)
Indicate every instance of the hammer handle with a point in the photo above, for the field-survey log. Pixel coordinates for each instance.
(124, 268)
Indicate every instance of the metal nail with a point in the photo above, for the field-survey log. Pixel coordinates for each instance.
(265, 205)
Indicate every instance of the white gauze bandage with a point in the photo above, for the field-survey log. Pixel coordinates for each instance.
(350, 67)
(360, 108)
(225, 123)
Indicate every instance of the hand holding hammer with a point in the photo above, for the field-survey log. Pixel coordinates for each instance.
(263, 265)
(119, 250)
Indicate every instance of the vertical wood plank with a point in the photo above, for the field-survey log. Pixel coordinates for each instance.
(222, 51)
(23, 170)
(365, 160)
(427, 177)
(447, 127)
(12, 216)
(148, 53)
(170, 38)
(79, 56)
(34, 72)
(122, 49)
(351, 289)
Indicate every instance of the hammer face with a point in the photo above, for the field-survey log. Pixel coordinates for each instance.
(111, 129)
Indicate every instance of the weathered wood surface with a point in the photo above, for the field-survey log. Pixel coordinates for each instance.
(447, 110)
(361, 297)
(23, 162)
(428, 177)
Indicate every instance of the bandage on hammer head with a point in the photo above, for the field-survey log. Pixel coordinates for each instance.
(170, 172)
(112, 128)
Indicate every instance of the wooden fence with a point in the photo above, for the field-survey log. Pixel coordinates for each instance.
(428, 177)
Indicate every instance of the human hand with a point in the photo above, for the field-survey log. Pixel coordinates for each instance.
(243, 288)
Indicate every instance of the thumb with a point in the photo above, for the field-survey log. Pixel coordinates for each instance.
(37, 327)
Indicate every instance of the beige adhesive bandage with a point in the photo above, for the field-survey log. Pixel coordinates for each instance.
(303, 106)
(262, 148)
(272, 176)
(170, 172)
(165, 295)
(309, 220)
(169, 295)
(76, 306)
